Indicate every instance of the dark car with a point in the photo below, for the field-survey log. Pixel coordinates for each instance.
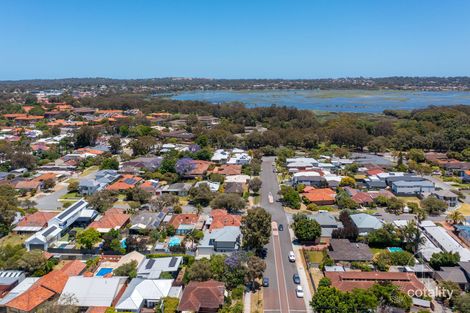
(280, 227)
(296, 279)
(265, 282)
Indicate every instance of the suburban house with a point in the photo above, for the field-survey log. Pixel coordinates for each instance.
(235, 187)
(207, 297)
(459, 274)
(327, 222)
(220, 218)
(310, 178)
(34, 222)
(347, 281)
(366, 223)
(220, 156)
(225, 239)
(226, 169)
(111, 219)
(241, 158)
(443, 240)
(412, 188)
(57, 225)
(94, 291)
(179, 189)
(153, 268)
(213, 186)
(200, 168)
(321, 196)
(342, 250)
(146, 294)
(126, 182)
(146, 221)
(45, 288)
(184, 223)
(447, 196)
(102, 179)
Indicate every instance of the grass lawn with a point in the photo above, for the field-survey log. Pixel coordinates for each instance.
(376, 250)
(71, 195)
(314, 256)
(13, 239)
(465, 209)
(410, 199)
(89, 170)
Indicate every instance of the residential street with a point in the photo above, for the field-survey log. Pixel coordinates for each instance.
(279, 270)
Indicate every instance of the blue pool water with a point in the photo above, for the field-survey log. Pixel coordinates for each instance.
(174, 241)
(103, 271)
(394, 249)
(123, 243)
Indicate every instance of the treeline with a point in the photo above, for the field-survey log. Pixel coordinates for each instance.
(438, 128)
(177, 84)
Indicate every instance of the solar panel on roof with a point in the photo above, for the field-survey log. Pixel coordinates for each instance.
(173, 262)
(70, 209)
(49, 231)
(149, 264)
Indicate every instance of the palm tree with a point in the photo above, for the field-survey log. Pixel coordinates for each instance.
(421, 214)
(456, 217)
(412, 236)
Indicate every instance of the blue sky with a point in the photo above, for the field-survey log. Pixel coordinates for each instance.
(233, 38)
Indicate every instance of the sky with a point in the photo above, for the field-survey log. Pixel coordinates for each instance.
(233, 38)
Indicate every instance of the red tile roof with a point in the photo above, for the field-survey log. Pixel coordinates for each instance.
(185, 218)
(208, 295)
(200, 167)
(125, 182)
(112, 219)
(228, 169)
(321, 196)
(37, 219)
(46, 287)
(347, 281)
(220, 219)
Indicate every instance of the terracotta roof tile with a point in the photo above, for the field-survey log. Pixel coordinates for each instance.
(202, 295)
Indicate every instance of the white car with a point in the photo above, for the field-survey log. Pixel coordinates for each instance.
(291, 256)
(299, 292)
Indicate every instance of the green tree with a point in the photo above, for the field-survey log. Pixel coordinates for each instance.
(102, 200)
(444, 259)
(73, 186)
(348, 181)
(416, 155)
(201, 195)
(200, 270)
(255, 184)
(462, 303)
(456, 217)
(290, 197)
(115, 144)
(170, 305)
(128, 269)
(230, 201)
(255, 267)
(86, 136)
(88, 238)
(433, 206)
(256, 229)
(306, 229)
(110, 164)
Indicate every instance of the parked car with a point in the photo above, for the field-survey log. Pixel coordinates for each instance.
(296, 279)
(291, 256)
(299, 292)
(280, 227)
(265, 282)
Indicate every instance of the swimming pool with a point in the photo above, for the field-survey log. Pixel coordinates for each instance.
(174, 241)
(103, 271)
(394, 249)
(123, 243)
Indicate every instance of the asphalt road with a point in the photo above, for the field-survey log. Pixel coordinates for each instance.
(280, 295)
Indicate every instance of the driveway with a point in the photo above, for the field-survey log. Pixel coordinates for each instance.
(50, 201)
(280, 295)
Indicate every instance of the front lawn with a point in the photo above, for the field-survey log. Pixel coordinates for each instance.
(314, 257)
(465, 209)
(377, 250)
(71, 195)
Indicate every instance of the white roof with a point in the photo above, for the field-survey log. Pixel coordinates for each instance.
(447, 242)
(427, 248)
(92, 291)
(237, 178)
(302, 160)
(306, 174)
(140, 290)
